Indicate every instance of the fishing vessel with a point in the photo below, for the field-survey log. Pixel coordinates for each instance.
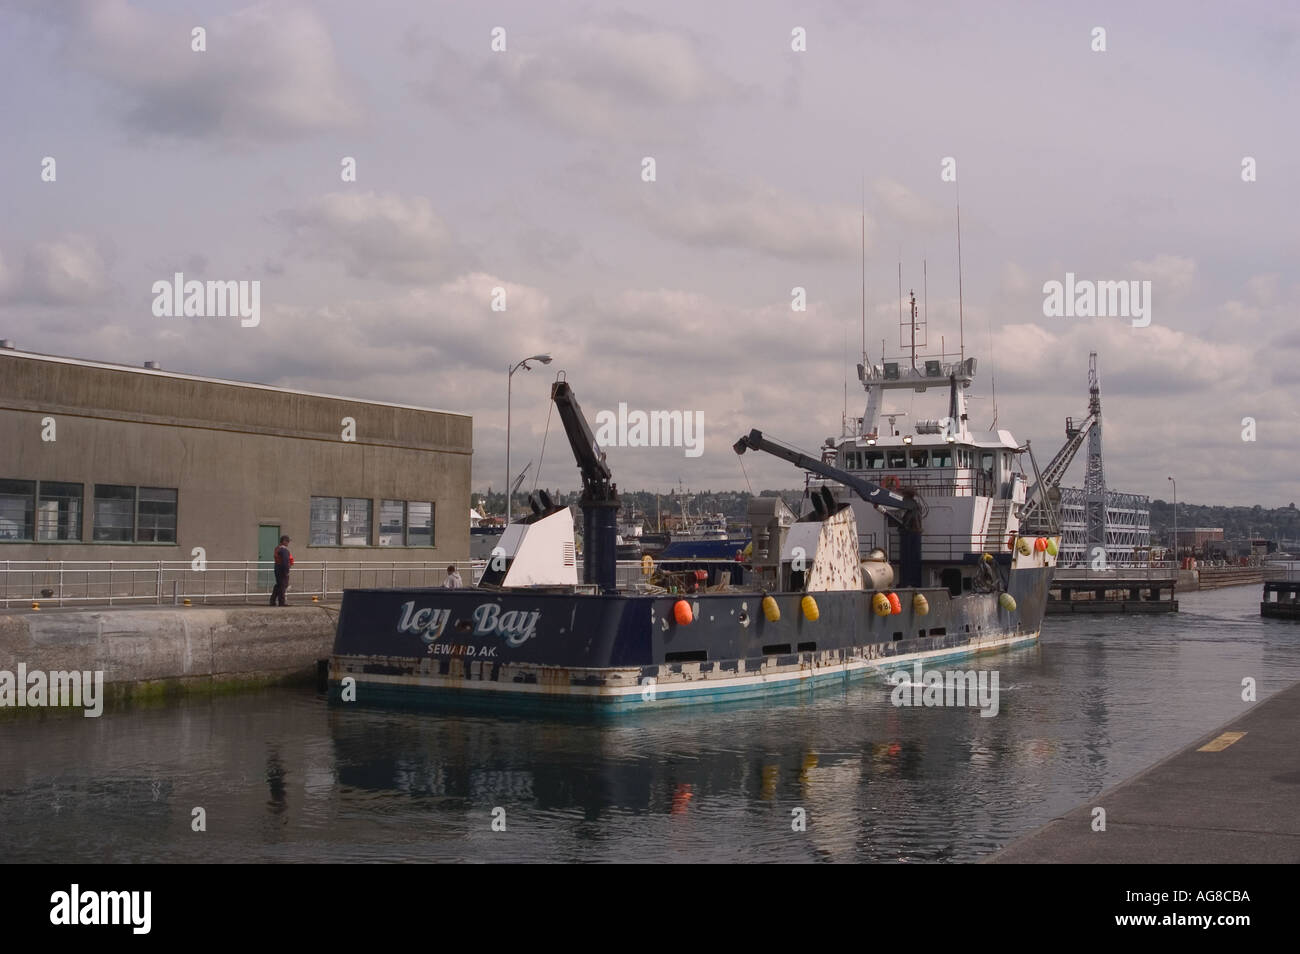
(908, 548)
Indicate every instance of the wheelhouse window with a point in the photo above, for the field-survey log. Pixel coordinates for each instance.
(114, 513)
(58, 511)
(873, 460)
(17, 509)
(943, 457)
(895, 457)
(918, 457)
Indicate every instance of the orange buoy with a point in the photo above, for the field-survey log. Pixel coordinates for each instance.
(1040, 544)
(1011, 541)
(895, 604)
(682, 613)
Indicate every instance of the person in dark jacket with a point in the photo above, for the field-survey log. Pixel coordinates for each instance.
(283, 561)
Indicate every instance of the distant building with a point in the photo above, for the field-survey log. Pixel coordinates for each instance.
(1196, 538)
(109, 462)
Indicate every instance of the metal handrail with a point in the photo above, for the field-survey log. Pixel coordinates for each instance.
(64, 582)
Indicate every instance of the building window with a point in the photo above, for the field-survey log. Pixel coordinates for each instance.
(58, 511)
(324, 521)
(405, 523)
(130, 514)
(114, 513)
(392, 523)
(419, 524)
(356, 522)
(156, 521)
(17, 509)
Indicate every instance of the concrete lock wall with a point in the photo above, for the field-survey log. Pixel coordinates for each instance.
(187, 647)
(239, 456)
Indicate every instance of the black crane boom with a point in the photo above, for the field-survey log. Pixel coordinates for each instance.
(600, 503)
(904, 512)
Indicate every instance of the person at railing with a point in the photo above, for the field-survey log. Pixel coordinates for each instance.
(453, 580)
(283, 563)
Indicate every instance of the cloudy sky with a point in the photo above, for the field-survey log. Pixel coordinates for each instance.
(522, 169)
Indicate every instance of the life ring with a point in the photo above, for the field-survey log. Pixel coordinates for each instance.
(891, 483)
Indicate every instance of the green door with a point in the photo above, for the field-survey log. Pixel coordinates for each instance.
(268, 538)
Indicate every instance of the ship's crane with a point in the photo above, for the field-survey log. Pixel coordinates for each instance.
(902, 511)
(600, 503)
(1040, 497)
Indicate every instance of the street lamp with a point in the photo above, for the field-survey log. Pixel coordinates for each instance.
(1175, 483)
(545, 359)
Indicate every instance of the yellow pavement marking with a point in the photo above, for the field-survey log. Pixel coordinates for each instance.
(1221, 743)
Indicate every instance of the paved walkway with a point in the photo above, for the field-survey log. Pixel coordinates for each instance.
(1231, 797)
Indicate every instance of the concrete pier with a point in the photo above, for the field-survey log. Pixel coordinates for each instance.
(1119, 590)
(157, 650)
(1231, 797)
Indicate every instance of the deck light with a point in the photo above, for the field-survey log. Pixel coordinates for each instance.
(907, 439)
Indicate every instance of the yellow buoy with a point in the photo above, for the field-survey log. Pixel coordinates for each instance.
(35, 605)
(1051, 546)
(880, 605)
(1007, 602)
(647, 565)
(1024, 546)
(770, 610)
(809, 607)
(920, 605)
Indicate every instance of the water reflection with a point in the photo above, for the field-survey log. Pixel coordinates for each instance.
(842, 775)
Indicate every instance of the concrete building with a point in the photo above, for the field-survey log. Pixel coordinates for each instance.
(103, 462)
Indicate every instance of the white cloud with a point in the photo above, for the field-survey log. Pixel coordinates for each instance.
(605, 80)
(715, 211)
(68, 271)
(1170, 275)
(383, 235)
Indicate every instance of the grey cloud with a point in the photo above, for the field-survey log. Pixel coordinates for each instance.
(269, 71)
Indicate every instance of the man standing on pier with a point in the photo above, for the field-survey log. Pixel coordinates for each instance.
(283, 561)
